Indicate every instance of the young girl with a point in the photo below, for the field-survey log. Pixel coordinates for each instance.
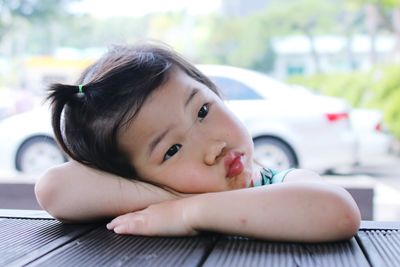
(153, 145)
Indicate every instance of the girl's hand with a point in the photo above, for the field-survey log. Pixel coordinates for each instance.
(163, 219)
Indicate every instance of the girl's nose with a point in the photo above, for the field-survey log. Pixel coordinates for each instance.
(214, 151)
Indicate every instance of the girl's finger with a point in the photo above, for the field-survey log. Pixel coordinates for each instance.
(116, 221)
(120, 229)
(110, 226)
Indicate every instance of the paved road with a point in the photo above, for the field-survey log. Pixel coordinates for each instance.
(386, 170)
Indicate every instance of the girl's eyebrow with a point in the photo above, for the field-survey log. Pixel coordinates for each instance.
(158, 139)
(191, 96)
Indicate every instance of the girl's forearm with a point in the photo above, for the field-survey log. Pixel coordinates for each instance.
(312, 212)
(73, 192)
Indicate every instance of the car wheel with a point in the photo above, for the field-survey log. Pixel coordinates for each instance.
(274, 153)
(38, 154)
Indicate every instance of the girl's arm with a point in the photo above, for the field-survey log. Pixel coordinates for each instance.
(305, 212)
(73, 192)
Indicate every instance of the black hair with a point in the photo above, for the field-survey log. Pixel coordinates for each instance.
(86, 125)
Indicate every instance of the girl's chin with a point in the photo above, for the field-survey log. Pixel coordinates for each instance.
(241, 181)
(251, 175)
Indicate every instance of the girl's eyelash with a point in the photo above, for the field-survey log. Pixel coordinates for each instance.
(203, 111)
(172, 151)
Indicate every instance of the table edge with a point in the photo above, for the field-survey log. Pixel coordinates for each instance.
(41, 214)
(31, 214)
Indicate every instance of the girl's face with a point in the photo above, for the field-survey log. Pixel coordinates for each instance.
(185, 138)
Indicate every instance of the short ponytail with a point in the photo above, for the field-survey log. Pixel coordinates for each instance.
(59, 96)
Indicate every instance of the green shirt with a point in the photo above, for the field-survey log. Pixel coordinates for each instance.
(269, 176)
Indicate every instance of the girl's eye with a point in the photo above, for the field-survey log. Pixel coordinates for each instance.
(172, 151)
(203, 112)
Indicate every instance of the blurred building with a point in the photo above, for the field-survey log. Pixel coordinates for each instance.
(295, 54)
(65, 66)
(41, 71)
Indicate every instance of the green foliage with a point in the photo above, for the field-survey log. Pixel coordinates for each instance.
(384, 3)
(21, 17)
(378, 88)
(388, 81)
(251, 50)
(301, 16)
(33, 9)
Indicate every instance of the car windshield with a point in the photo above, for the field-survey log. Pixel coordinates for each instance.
(244, 84)
(264, 85)
(235, 90)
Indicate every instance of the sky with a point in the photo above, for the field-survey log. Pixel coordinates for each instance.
(137, 8)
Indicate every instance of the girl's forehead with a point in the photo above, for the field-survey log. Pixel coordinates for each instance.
(166, 102)
(178, 84)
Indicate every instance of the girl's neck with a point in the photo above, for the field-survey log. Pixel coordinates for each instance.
(256, 176)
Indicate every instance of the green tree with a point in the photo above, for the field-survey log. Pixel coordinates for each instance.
(378, 16)
(306, 17)
(239, 41)
(32, 10)
(17, 14)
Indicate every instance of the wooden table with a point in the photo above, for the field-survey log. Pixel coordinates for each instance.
(33, 238)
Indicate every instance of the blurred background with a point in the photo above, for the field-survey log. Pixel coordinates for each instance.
(317, 82)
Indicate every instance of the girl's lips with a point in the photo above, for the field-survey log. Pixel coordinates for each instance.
(233, 164)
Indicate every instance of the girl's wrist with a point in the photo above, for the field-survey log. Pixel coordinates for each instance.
(190, 214)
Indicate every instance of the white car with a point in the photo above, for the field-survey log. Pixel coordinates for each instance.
(15, 101)
(373, 139)
(27, 143)
(290, 128)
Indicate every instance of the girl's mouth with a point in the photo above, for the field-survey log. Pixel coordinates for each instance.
(233, 164)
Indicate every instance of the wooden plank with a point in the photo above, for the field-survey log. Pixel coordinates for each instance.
(24, 240)
(236, 251)
(105, 248)
(370, 225)
(32, 237)
(381, 247)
